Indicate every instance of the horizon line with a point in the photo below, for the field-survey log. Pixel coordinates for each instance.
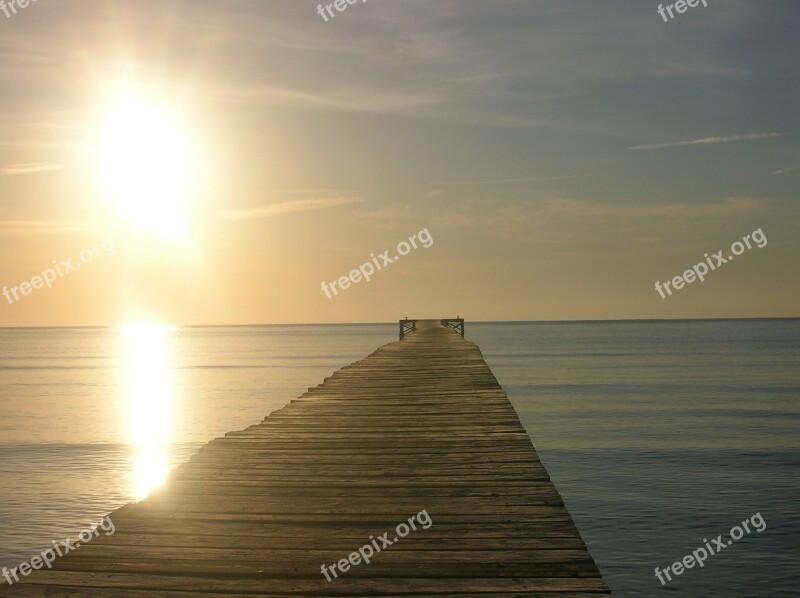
(619, 321)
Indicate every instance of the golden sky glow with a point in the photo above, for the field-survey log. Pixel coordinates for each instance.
(239, 155)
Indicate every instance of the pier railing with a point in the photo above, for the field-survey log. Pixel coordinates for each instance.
(456, 324)
(408, 326)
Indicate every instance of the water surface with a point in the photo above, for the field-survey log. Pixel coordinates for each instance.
(657, 434)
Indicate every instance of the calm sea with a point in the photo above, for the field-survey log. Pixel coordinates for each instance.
(657, 434)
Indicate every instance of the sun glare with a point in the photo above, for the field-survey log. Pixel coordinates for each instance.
(145, 163)
(148, 387)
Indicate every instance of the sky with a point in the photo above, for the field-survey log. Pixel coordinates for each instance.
(224, 159)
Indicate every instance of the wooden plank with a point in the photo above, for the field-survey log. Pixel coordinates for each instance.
(555, 586)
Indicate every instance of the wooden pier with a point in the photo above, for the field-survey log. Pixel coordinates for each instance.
(420, 424)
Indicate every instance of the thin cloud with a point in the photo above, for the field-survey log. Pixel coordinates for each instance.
(573, 209)
(787, 170)
(43, 227)
(288, 207)
(528, 180)
(15, 169)
(707, 141)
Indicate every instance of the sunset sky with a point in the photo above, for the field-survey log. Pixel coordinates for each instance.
(564, 155)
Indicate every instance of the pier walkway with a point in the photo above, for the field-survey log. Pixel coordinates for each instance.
(419, 425)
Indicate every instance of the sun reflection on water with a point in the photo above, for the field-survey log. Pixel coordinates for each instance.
(148, 390)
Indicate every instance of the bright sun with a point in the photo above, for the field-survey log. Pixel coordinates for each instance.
(145, 164)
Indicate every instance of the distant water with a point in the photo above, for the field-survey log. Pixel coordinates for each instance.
(657, 434)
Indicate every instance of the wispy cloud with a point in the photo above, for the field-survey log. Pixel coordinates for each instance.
(787, 170)
(44, 227)
(574, 209)
(527, 180)
(15, 169)
(289, 207)
(707, 141)
(569, 226)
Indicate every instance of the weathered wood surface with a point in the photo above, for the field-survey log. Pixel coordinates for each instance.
(419, 424)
